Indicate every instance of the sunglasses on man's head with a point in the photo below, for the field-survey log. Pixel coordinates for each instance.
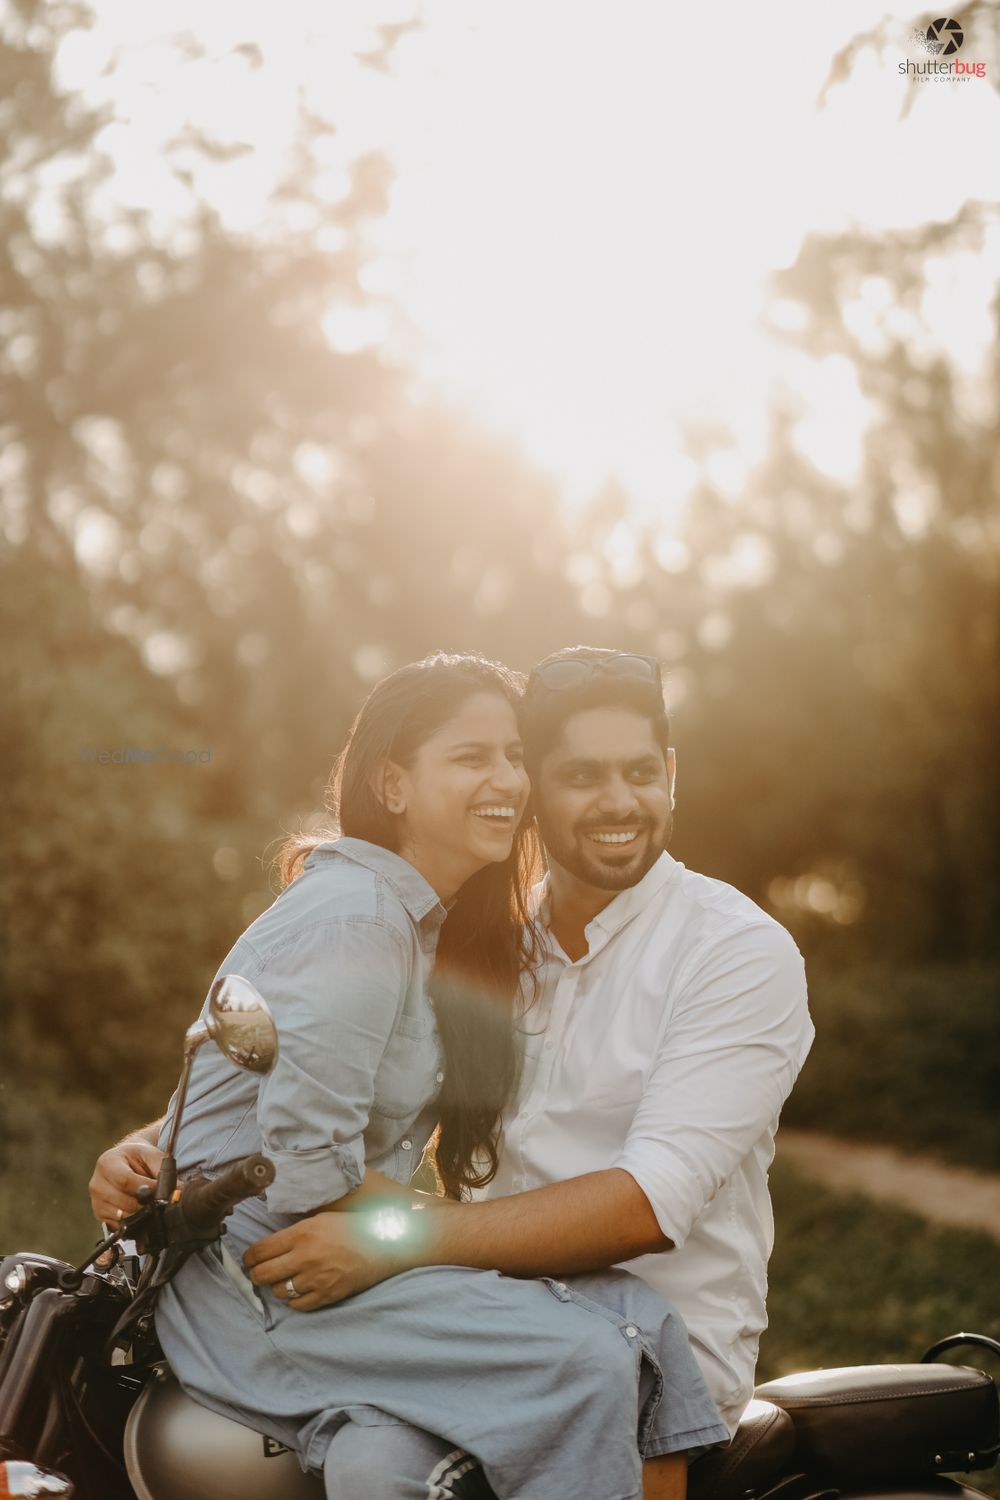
(571, 671)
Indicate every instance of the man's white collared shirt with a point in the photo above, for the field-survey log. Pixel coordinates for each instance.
(668, 1050)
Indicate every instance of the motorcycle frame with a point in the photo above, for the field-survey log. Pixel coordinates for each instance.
(61, 1407)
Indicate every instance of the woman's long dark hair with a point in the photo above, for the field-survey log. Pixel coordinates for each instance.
(487, 943)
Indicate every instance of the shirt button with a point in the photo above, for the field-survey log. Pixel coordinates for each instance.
(439, 1077)
(631, 1331)
(549, 1043)
(406, 1144)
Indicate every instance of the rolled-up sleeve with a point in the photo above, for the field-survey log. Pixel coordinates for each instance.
(738, 1035)
(336, 991)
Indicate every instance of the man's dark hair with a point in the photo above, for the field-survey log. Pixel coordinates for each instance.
(543, 710)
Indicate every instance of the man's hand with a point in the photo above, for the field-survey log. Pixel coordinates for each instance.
(332, 1255)
(119, 1174)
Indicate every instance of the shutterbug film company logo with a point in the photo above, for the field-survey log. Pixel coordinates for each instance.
(939, 41)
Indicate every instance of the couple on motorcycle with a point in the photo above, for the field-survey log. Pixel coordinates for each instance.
(604, 1057)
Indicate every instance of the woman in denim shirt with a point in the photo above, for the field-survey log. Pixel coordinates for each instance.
(394, 1023)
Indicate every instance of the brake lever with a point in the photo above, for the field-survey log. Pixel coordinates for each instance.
(129, 1229)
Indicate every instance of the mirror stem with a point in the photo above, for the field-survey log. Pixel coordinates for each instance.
(166, 1179)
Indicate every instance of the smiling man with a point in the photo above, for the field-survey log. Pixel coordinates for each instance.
(604, 777)
(670, 1021)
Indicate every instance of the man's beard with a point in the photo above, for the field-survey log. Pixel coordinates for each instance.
(574, 856)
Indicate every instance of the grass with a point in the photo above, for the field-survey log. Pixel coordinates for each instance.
(50, 1143)
(853, 1282)
(905, 1057)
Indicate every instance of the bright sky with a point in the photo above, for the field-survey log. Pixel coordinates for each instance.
(588, 197)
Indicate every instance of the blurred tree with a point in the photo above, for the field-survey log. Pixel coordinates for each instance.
(99, 858)
(273, 523)
(217, 532)
(848, 639)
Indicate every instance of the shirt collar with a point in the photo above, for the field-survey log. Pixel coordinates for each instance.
(626, 905)
(418, 896)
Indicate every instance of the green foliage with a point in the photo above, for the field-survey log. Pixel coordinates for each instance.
(52, 1137)
(98, 979)
(905, 1056)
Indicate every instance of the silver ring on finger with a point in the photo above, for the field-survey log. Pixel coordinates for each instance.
(291, 1288)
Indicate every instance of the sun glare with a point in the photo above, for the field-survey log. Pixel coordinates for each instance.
(587, 201)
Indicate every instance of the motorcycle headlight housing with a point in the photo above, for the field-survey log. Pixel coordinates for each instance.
(24, 1481)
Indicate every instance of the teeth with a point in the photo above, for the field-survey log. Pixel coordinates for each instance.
(493, 812)
(615, 838)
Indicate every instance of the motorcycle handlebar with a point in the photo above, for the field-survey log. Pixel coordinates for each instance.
(206, 1203)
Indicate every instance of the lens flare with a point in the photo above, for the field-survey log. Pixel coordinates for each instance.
(390, 1224)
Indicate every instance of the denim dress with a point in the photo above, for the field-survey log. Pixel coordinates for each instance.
(557, 1387)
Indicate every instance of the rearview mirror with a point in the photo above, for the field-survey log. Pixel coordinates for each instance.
(240, 1023)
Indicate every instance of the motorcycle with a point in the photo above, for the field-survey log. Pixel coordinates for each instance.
(89, 1408)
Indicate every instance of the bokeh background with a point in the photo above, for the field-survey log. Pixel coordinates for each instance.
(334, 334)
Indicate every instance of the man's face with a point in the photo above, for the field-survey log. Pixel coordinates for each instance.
(604, 798)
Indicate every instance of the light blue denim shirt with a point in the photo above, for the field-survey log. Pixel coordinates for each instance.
(342, 957)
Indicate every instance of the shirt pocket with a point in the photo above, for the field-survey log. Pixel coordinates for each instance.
(608, 1078)
(221, 1263)
(406, 1081)
(613, 1114)
(615, 1093)
(414, 1027)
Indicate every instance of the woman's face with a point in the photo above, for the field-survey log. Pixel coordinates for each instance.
(461, 799)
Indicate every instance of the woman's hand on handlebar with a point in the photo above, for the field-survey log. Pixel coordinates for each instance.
(119, 1174)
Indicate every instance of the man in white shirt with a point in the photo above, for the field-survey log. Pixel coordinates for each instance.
(672, 1018)
(669, 1026)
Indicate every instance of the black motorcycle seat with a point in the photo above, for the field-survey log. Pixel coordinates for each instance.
(889, 1422)
(761, 1449)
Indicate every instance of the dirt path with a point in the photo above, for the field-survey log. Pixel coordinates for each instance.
(941, 1193)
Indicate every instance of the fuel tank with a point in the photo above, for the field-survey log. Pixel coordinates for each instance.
(178, 1450)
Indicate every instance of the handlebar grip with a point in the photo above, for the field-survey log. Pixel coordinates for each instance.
(206, 1203)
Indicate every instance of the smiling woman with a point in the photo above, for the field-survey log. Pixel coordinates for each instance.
(468, 777)
(433, 770)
